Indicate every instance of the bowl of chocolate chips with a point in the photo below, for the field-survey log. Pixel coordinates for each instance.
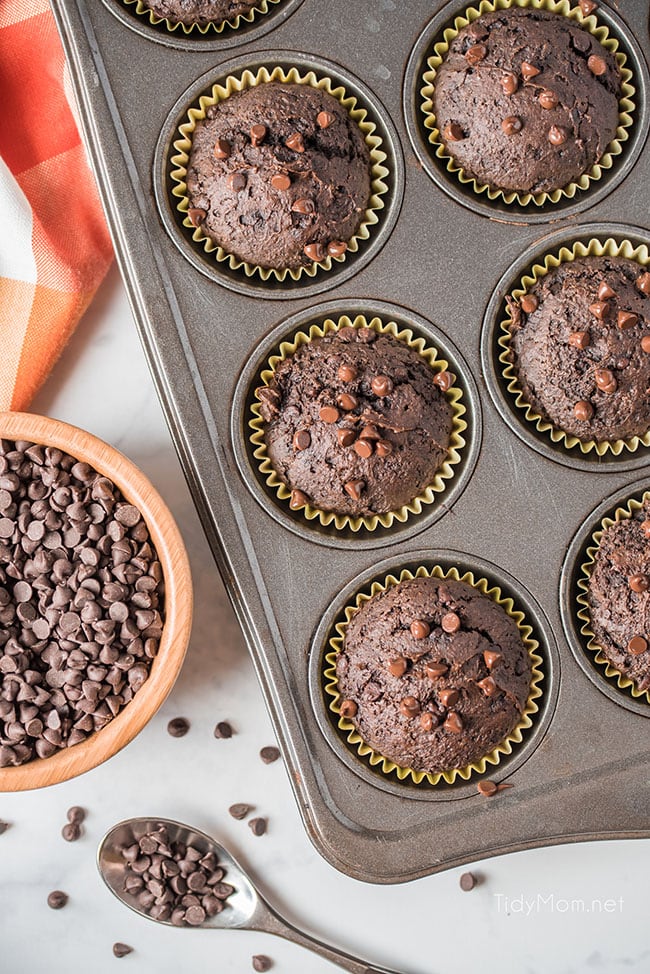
(95, 601)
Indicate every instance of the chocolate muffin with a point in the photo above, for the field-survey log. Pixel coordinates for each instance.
(581, 347)
(356, 422)
(279, 175)
(618, 595)
(433, 673)
(201, 12)
(526, 100)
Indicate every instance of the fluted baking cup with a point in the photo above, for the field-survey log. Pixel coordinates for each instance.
(248, 79)
(593, 248)
(613, 675)
(444, 474)
(384, 764)
(142, 9)
(626, 101)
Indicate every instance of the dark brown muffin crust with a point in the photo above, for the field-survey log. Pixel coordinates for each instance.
(202, 12)
(279, 175)
(618, 595)
(356, 423)
(582, 355)
(437, 672)
(526, 100)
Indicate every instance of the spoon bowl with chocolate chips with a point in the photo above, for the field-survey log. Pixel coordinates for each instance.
(95, 601)
(177, 875)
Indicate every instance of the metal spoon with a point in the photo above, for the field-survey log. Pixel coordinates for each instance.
(246, 909)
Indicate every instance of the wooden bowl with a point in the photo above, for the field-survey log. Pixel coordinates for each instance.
(136, 488)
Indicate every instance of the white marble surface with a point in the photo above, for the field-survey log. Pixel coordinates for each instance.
(520, 918)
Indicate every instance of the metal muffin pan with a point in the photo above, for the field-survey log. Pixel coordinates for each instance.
(517, 513)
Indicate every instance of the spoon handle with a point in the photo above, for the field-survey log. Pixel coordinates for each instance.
(268, 921)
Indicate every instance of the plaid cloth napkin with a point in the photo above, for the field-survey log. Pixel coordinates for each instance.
(54, 244)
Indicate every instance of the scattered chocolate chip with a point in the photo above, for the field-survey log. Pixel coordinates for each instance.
(236, 182)
(645, 344)
(587, 7)
(315, 252)
(262, 963)
(428, 722)
(223, 730)
(57, 899)
(369, 432)
(643, 283)
(76, 814)
(295, 142)
(281, 181)
(364, 448)
(196, 215)
(298, 499)
(258, 134)
(626, 319)
(548, 99)
(605, 380)
(639, 583)
(435, 670)
(453, 724)
(528, 70)
(452, 132)
(597, 65)
(528, 303)
(347, 401)
(420, 629)
(346, 373)
(383, 448)
(301, 440)
(257, 826)
(409, 707)
(329, 414)
(467, 882)
(346, 437)
(580, 339)
(239, 810)
(71, 832)
(178, 727)
(269, 754)
(397, 667)
(475, 54)
(605, 292)
(382, 385)
(222, 149)
(354, 488)
(444, 380)
(557, 135)
(325, 119)
(512, 124)
(449, 698)
(599, 309)
(450, 622)
(121, 950)
(3, 826)
(487, 788)
(509, 82)
(637, 645)
(303, 206)
(488, 686)
(336, 248)
(348, 708)
(583, 411)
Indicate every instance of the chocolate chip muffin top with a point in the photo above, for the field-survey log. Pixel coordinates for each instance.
(433, 673)
(279, 175)
(356, 422)
(618, 595)
(526, 100)
(202, 12)
(581, 347)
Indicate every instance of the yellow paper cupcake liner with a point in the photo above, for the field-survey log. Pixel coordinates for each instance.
(384, 764)
(456, 441)
(248, 79)
(626, 101)
(593, 248)
(612, 674)
(143, 10)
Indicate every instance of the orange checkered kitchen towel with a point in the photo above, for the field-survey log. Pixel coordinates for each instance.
(54, 244)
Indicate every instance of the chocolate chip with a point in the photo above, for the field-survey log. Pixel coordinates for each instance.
(196, 215)
(301, 440)
(269, 754)
(583, 411)
(452, 132)
(325, 119)
(409, 706)
(645, 344)
(236, 182)
(383, 448)
(444, 380)
(347, 401)
(488, 686)
(303, 206)
(222, 149)
(420, 629)
(487, 788)
(354, 488)
(295, 142)
(346, 437)
(512, 124)
(639, 583)
(382, 385)
(257, 826)
(76, 814)
(223, 730)
(435, 670)
(599, 309)
(587, 7)
(239, 811)
(336, 248)
(605, 380)
(280, 181)
(580, 339)
(605, 291)
(3, 826)
(57, 899)
(548, 99)
(346, 373)
(262, 963)
(298, 500)
(315, 252)
(364, 448)
(528, 70)
(597, 65)
(398, 666)
(528, 303)
(449, 698)
(450, 622)
(475, 54)
(557, 135)
(643, 283)
(348, 709)
(71, 832)
(178, 727)
(428, 722)
(467, 882)
(258, 134)
(329, 414)
(637, 645)
(121, 950)
(626, 319)
(509, 82)
(453, 724)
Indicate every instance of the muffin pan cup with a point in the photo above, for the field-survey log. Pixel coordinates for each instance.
(512, 522)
